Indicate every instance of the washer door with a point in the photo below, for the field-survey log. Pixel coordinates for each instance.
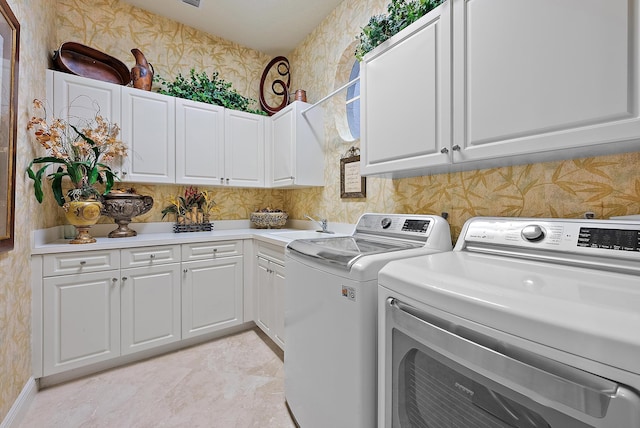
(445, 375)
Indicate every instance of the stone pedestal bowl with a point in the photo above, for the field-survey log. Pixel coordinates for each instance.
(122, 207)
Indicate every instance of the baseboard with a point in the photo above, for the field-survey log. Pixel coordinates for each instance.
(20, 407)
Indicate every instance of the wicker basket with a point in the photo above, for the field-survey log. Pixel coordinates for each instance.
(268, 220)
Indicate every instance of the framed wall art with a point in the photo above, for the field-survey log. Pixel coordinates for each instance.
(9, 45)
(352, 184)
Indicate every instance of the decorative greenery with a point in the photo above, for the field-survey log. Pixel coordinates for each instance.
(80, 154)
(198, 87)
(400, 15)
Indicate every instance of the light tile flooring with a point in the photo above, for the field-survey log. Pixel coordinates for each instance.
(233, 382)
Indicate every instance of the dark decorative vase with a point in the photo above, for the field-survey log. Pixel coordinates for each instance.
(122, 207)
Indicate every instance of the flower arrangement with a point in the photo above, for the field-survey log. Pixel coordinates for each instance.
(193, 208)
(81, 153)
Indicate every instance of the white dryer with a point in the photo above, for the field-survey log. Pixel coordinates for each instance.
(330, 315)
(527, 323)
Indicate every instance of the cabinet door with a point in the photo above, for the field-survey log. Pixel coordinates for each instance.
(199, 143)
(279, 278)
(211, 295)
(81, 315)
(564, 77)
(405, 96)
(244, 149)
(148, 129)
(150, 302)
(264, 285)
(79, 99)
(282, 148)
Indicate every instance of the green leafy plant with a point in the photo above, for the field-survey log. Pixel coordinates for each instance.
(214, 90)
(82, 155)
(400, 15)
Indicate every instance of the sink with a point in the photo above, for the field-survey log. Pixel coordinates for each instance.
(303, 234)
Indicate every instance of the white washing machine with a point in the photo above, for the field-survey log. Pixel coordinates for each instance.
(330, 315)
(527, 323)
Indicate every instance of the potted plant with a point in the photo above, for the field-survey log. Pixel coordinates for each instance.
(214, 90)
(192, 210)
(81, 154)
(400, 15)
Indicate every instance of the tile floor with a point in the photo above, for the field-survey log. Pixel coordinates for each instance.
(233, 382)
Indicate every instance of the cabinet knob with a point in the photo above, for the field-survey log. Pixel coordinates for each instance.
(83, 262)
(456, 148)
(114, 280)
(444, 150)
(124, 278)
(185, 270)
(292, 177)
(124, 173)
(227, 181)
(152, 256)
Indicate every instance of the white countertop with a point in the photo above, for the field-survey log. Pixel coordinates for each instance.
(52, 240)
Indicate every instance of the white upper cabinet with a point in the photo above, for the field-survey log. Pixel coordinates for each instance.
(174, 140)
(148, 130)
(530, 81)
(244, 149)
(79, 99)
(296, 157)
(544, 76)
(199, 143)
(406, 98)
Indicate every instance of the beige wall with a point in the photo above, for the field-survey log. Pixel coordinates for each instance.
(607, 185)
(37, 29)
(115, 27)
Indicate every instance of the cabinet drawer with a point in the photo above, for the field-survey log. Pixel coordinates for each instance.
(80, 262)
(273, 253)
(211, 250)
(148, 256)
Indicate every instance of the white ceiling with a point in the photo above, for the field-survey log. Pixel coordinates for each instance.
(274, 27)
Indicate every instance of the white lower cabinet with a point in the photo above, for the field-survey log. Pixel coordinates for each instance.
(81, 320)
(94, 306)
(212, 287)
(270, 288)
(150, 307)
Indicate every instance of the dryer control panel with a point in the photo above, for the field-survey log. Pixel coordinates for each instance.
(608, 238)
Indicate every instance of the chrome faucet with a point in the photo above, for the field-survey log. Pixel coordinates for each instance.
(323, 224)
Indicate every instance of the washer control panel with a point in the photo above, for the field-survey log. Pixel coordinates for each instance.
(611, 238)
(396, 224)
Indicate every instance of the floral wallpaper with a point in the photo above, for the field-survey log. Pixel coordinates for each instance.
(116, 27)
(606, 185)
(36, 30)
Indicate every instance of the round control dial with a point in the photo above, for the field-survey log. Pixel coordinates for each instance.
(385, 222)
(532, 233)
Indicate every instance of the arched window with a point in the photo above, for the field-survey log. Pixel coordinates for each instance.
(353, 102)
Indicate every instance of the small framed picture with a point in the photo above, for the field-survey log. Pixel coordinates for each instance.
(352, 184)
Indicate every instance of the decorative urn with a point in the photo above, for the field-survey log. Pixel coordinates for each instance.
(122, 206)
(82, 214)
